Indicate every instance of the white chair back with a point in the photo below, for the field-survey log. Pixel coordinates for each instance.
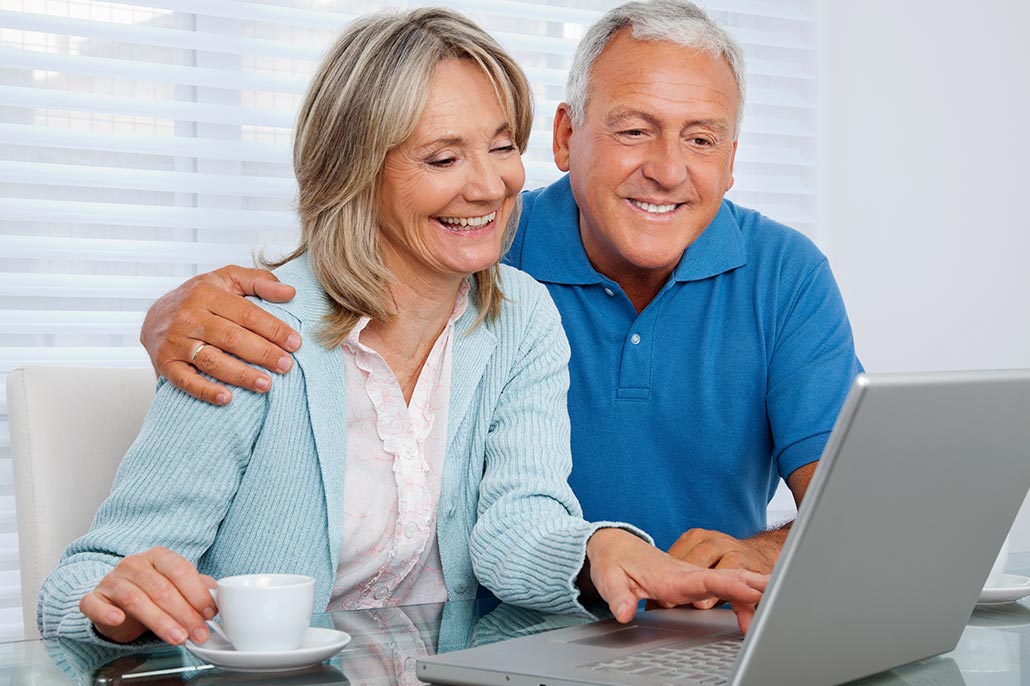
(69, 429)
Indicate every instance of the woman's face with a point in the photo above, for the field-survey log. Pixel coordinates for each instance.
(447, 192)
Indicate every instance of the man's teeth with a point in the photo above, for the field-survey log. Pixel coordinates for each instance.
(656, 209)
(469, 222)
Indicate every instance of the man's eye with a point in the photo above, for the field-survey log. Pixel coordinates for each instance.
(703, 142)
(632, 133)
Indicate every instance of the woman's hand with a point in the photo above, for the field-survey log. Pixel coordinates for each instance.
(625, 569)
(157, 590)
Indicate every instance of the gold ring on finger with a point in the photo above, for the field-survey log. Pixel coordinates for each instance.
(196, 351)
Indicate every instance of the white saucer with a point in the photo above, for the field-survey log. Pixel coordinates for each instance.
(1007, 616)
(1011, 588)
(317, 646)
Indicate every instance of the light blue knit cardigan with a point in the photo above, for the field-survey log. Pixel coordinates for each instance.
(257, 485)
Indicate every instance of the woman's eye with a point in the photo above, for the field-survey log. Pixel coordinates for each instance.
(442, 163)
(505, 148)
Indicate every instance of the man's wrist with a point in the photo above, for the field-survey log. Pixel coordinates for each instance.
(768, 544)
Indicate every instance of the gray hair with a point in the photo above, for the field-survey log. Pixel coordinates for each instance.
(676, 21)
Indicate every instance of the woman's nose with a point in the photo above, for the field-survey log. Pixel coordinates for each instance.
(485, 182)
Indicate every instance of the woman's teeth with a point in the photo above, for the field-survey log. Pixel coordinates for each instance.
(468, 222)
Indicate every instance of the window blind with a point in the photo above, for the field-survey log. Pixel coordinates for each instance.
(144, 142)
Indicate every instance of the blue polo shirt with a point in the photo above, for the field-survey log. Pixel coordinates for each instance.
(688, 414)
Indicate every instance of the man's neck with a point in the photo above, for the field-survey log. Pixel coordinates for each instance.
(642, 288)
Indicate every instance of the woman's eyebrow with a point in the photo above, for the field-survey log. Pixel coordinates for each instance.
(454, 139)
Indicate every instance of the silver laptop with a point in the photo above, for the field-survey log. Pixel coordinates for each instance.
(920, 482)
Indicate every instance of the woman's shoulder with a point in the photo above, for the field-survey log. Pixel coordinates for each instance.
(517, 282)
(309, 304)
(523, 295)
(527, 305)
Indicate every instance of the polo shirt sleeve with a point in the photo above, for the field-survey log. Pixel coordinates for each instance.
(811, 368)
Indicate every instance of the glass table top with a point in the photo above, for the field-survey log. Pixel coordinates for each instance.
(386, 642)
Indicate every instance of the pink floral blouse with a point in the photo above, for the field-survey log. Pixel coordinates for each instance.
(392, 477)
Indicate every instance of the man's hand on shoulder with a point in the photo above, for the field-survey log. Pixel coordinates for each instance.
(194, 327)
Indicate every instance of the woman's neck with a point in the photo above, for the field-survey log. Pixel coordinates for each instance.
(421, 308)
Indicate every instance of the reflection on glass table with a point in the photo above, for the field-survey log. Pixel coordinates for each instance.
(386, 642)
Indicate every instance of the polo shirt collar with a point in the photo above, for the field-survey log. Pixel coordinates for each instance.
(720, 248)
(553, 251)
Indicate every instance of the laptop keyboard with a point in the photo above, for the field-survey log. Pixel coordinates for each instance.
(679, 663)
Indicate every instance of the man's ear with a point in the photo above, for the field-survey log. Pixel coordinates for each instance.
(562, 134)
(733, 159)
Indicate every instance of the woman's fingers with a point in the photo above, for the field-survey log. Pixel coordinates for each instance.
(141, 613)
(156, 590)
(101, 611)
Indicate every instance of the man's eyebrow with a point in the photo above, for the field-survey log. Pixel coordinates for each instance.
(621, 117)
(459, 140)
(624, 117)
(720, 125)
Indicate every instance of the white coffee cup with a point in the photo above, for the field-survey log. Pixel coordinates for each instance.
(265, 612)
(994, 579)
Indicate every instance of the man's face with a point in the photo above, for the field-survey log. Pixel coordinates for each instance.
(654, 156)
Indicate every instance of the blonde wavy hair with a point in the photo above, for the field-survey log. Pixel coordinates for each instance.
(365, 100)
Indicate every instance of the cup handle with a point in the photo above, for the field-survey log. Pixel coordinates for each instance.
(216, 628)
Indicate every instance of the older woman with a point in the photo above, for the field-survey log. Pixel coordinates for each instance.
(425, 446)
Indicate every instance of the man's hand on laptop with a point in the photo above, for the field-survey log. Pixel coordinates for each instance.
(624, 569)
(716, 550)
(192, 328)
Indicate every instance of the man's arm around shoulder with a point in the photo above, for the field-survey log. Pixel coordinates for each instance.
(205, 324)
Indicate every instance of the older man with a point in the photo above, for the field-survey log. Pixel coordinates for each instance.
(711, 350)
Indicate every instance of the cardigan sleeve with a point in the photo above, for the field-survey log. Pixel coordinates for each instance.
(172, 489)
(529, 542)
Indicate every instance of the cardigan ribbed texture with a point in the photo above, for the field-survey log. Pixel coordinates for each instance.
(256, 485)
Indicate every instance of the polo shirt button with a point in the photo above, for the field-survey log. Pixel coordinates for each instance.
(411, 529)
(609, 291)
(380, 592)
(459, 587)
(635, 339)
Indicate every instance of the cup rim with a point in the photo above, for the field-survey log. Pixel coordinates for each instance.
(278, 581)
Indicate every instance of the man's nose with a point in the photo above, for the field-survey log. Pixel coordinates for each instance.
(666, 162)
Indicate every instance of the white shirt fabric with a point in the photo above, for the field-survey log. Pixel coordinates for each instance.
(392, 477)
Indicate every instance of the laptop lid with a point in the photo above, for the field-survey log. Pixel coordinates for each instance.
(918, 485)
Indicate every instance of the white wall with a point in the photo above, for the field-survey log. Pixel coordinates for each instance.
(925, 145)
